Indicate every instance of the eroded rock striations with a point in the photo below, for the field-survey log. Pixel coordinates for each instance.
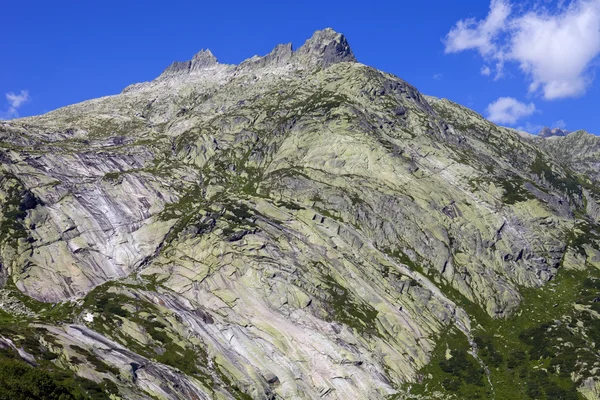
(299, 225)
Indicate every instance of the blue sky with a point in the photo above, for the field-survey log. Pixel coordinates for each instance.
(523, 64)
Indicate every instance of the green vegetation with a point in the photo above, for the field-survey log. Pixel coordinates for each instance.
(112, 176)
(21, 381)
(98, 364)
(544, 351)
(323, 101)
(13, 211)
(460, 371)
(487, 350)
(567, 184)
(343, 308)
(44, 312)
(514, 191)
(233, 217)
(111, 304)
(111, 307)
(584, 233)
(186, 205)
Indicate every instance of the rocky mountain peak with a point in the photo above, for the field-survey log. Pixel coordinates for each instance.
(547, 132)
(326, 47)
(204, 59)
(280, 55)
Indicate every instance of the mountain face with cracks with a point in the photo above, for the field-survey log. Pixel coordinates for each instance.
(298, 226)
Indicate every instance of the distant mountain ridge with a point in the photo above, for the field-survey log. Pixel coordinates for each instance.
(547, 132)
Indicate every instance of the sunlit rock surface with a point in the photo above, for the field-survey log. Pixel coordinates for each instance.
(297, 226)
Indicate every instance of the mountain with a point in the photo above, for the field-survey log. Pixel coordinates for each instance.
(299, 225)
(547, 132)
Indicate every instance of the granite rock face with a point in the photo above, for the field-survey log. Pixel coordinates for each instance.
(297, 226)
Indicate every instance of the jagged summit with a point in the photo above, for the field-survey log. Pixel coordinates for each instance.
(324, 48)
(547, 132)
(202, 60)
(280, 55)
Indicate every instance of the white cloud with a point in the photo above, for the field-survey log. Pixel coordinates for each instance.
(534, 129)
(555, 50)
(485, 70)
(560, 124)
(480, 35)
(438, 77)
(15, 101)
(507, 110)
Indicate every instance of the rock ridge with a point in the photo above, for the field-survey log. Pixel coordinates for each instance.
(326, 47)
(547, 132)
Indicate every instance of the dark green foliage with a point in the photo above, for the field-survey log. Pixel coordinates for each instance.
(11, 226)
(92, 359)
(539, 350)
(516, 359)
(488, 352)
(584, 233)
(514, 191)
(568, 184)
(546, 341)
(539, 385)
(112, 176)
(289, 205)
(239, 218)
(238, 214)
(451, 384)
(463, 368)
(20, 381)
(343, 308)
(184, 208)
(182, 359)
(111, 303)
(454, 369)
(538, 339)
(157, 332)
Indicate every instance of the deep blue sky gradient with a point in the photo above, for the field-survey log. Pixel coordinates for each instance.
(65, 52)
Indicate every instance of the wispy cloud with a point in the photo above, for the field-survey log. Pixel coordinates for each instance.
(438, 77)
(507, 110)
(554, 49)
(15, 101)
(530, 128)
(560, 124)
(480, 35)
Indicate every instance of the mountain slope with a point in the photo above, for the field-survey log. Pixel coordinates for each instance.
(296, 226)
